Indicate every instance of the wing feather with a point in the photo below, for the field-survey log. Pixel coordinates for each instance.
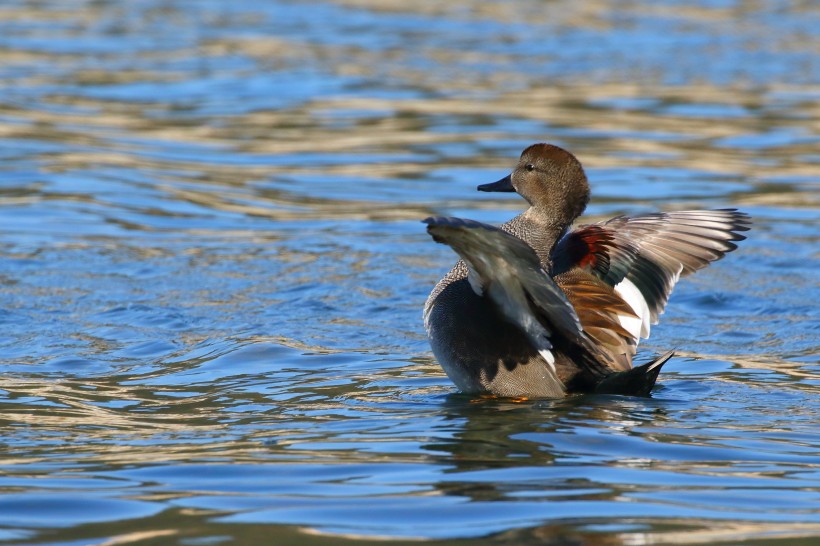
(508, 272)
(643, 257)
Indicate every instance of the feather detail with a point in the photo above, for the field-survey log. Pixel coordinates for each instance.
(643, 257)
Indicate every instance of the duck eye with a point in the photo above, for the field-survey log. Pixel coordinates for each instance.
(530, 167)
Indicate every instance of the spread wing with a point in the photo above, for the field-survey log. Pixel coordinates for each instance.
(505, 269)
(641, 258)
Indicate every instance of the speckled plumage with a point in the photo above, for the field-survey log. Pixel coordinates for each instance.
(563, 312)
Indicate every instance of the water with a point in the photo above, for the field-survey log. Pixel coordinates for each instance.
(212, 271)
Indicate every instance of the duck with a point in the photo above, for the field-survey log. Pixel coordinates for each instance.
(536, 309)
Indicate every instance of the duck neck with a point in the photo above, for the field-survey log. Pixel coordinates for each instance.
(541, 233)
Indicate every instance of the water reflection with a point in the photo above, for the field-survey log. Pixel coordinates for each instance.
(212, 270)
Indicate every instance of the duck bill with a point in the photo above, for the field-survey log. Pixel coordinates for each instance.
(505, 184)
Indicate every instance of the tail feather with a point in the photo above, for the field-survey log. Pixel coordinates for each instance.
(637, 381)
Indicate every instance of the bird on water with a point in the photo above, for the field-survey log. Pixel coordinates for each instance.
(535, 309)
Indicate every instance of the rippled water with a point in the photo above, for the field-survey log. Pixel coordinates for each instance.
(212, 270)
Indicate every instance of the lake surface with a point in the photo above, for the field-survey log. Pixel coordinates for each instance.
(212, 270)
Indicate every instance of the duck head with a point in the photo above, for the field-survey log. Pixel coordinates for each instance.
(551, 180)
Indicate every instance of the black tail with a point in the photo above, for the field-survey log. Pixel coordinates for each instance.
(637, 381)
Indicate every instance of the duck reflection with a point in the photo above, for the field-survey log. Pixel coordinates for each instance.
(551, 458)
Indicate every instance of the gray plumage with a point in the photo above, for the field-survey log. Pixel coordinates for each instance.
(535, 310)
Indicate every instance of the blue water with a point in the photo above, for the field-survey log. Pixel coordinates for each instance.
(212, 270)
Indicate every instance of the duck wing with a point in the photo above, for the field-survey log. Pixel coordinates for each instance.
(603, 314)
(507, 270)
(642, 258)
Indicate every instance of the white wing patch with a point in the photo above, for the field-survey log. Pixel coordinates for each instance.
(638, 326)
(547, 355)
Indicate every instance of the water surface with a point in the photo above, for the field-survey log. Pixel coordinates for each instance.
(212, 271)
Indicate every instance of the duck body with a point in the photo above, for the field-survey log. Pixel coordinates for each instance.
(534, 309)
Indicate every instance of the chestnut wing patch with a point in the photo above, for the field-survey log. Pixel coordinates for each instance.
(643, 257)
(602, 313)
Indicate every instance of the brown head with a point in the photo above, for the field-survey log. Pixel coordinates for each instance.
(551, 180)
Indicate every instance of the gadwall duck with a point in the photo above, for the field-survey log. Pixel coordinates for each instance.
(535, 310)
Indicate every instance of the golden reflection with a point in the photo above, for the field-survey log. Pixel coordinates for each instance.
(687, 143)
(139, 536)
(391, 118)
(728, 532)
